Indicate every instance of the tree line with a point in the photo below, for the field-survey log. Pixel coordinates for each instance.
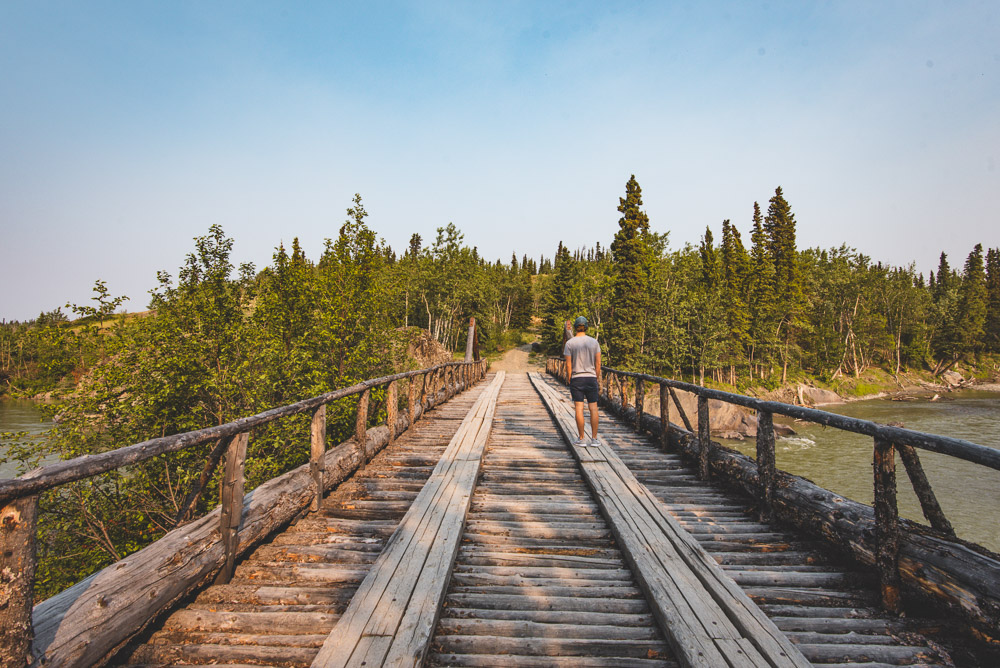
(751, 313)
(220, 342)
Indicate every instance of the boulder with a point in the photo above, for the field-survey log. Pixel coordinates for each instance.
(814, 396)
(952, 378)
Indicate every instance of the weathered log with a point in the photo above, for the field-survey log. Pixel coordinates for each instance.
(317, 454)
(18, 521)
(765, 465)
(928, 501)
(361, 422)
(640, 395)
(411, 400)
(886, 524)
(231, 503)
(391, 406)
(665, 416)
(680, 410)
(704, 438)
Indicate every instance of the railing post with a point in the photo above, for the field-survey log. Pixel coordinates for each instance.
(411, 399)
(469, 341)
(316, 453)
(391, 409)
(886, 523)
(665, 429)
(424, 379)
(640, 395)
(232, 504)
(361, 426)
(704, 437)
(765, 464)
(18, 541)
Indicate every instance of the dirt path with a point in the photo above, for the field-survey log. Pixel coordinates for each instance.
(516, 361)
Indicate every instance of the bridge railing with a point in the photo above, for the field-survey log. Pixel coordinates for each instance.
(627, 389)
(19, 496)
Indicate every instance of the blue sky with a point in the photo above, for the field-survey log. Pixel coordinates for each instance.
(127, 128)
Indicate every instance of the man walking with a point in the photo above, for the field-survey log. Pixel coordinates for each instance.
(583, 369)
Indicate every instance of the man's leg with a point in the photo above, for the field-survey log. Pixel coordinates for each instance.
(593, 419)
(579, 418)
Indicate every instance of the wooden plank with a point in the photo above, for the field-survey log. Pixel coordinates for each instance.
(391, 617)
(675, 571)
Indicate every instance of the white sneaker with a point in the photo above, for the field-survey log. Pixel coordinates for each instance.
(581, 441)
(595, 441)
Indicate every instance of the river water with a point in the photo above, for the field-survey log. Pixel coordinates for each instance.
(19, 415)
(837, 460)
(840, 461)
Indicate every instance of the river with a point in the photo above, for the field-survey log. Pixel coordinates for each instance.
(840, 461)
(20, 415)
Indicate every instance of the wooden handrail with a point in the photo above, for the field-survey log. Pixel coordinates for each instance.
(87, 466)
(946, 445)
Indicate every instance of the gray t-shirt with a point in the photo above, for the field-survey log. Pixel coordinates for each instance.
(583, 351)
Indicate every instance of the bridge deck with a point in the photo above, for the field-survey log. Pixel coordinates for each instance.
(539, 578)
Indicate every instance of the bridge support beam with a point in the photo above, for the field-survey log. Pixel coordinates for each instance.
(765, 464)
(317, 453)
(18, 521)
(886, 524)
(665, 428)
(391, 408)
(232, 504)
(361, 425)
(704, 438)
(640, 395)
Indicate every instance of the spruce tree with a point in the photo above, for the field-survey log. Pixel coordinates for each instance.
(762, 301)
(993, 300)
(557, 307)
(735, 283)
(780, 228)
(631, 256)
(972, 304)
(943, 282)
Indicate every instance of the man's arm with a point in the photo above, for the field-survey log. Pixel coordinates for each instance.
(597, 366)
(569, 368)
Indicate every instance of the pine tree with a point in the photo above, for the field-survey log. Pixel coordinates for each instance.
(630, 254)
(779, 224)
(972, 304)
(944, 279)
(762, 300)
(993, 300)
(735, 283)
(557, 307)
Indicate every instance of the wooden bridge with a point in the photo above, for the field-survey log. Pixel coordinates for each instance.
(470, 530)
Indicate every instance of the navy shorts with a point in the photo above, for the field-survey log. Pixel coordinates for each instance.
(584, 388)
